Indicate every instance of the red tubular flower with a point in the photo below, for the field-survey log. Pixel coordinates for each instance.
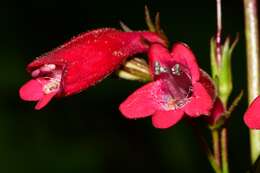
(179, 88)
(252, 115)
(82, 62)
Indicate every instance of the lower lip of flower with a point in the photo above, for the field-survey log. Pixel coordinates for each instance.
(178, 86)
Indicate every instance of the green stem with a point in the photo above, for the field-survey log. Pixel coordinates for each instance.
(216, 146)
(212, 161)
(253, 72)
(224, 150)
(222, 155)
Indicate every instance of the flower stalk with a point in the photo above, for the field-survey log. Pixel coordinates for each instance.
(223, 73)
(253, 78)
(221, 54)
(216, 146)
(224, 150)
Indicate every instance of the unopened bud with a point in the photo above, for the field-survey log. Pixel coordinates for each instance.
(135, 69)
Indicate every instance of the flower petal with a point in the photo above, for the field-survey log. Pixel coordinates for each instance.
(158, 53)
(252, 115)
(144, 101)
(208, 84)
(200, 102)
(45, 100)
(166, 119)
(183, 55)
(31, 91)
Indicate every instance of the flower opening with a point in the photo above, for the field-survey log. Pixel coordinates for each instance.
(177, 84)
(179, 88)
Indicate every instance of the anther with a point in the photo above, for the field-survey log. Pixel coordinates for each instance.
(51, 86)
(176, 69)
(158, 68)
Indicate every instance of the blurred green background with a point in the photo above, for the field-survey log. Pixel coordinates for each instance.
(86, 132)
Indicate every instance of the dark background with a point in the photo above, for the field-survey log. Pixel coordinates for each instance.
(86, 132)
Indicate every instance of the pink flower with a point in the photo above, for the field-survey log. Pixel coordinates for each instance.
(179, 88)
(81, 63)
(252, 115)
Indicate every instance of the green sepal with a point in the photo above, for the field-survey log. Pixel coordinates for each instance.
(225, 85)
(226, 115)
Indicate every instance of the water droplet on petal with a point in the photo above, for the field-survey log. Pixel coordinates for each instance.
(118, 53)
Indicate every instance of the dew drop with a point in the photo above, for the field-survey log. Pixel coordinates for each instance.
(118, 53)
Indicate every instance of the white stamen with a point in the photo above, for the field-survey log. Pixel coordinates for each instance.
(51, 86)
(158, 68)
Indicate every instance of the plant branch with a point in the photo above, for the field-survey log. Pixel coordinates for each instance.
(224, 150)
(216, 146)
(253, 72)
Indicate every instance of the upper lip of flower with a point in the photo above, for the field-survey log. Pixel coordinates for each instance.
(179, 87)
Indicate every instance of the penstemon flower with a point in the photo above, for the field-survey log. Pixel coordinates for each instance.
(179, 88)
(81, 63)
